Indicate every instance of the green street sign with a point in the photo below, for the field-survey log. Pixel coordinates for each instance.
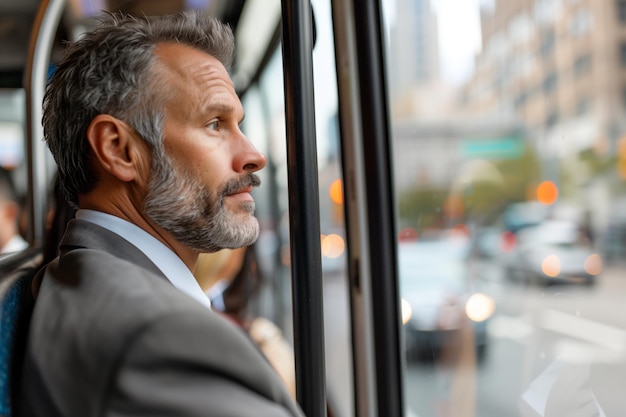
(496, 148)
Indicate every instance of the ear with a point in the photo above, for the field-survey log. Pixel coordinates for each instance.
(112, 142)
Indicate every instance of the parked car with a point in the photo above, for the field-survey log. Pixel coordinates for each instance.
(438, 300)
(551, 252)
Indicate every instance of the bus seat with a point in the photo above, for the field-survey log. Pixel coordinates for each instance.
(16, 302)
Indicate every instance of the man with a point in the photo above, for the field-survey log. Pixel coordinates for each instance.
(10, 238)
(143, 121)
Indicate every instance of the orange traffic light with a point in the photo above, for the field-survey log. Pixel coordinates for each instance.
(547, 192)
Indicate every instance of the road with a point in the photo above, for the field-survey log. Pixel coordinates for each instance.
(553, 351)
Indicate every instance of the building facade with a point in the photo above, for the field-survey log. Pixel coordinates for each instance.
(558, 66)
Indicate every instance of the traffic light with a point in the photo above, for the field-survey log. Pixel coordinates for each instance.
(547, 193)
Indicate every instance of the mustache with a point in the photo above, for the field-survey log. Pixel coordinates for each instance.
(236, 184)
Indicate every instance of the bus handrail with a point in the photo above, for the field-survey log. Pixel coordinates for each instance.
(38, 59)
(355, 210)
(380, 201)
(304, 216)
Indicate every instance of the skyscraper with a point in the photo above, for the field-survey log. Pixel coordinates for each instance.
(414, 48)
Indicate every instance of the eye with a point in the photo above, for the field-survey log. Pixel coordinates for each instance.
(214, 125)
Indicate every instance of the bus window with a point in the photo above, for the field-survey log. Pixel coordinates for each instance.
(508, 137)
(265, 122)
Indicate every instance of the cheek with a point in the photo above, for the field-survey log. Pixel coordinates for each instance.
(208, 163)
(210, 169)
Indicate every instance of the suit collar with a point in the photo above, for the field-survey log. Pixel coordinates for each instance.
(83, 234)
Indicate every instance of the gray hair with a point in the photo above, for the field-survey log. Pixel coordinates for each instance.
(111, 70)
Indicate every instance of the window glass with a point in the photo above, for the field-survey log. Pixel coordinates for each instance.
(509, 159)
(332, 225)
(582, 65)
(267, 102)
(580, 23)
(12, 119)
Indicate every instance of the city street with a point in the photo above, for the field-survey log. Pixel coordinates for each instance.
(549, 348)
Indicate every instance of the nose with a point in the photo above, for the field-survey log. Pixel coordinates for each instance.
(248, 158)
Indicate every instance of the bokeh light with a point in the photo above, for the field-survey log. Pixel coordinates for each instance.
(593, 264)
(333, 246)
(407, 311)
(480, 307)
(551, 266)
(507, 241)
(547, 192)
(407, 234)
(453, 207)
(336, 191)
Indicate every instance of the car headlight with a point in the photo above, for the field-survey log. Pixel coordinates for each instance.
(551, 266)
(480, 307)
(593, 264)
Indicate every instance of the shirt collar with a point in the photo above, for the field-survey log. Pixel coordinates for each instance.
(15, 244)
(164, 258)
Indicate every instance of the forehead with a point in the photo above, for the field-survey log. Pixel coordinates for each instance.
(191, 67)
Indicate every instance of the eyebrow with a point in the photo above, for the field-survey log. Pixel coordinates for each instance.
(221, 107)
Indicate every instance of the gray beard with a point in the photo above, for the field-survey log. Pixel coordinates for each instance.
(192, 214)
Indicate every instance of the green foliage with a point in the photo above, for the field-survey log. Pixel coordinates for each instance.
(423, 206)
(598, 164)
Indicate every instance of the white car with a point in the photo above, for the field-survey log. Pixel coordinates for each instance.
(438, 300)
(551, 252)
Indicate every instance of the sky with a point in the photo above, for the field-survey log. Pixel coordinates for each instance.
(459, 37)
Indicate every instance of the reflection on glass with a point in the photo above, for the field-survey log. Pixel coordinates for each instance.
(509, 141)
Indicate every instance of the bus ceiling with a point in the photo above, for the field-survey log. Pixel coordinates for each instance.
(17, 18)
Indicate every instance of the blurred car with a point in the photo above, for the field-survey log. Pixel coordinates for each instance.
(437, 303)
(487, 242)
(518, 216)
(491, 240)
(551, 252)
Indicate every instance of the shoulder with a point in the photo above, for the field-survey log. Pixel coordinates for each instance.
(91, 291)
(115, 336)
(89, 308)
(197, 365)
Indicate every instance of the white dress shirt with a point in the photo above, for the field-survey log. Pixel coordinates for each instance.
(166, 260)
(15, 244)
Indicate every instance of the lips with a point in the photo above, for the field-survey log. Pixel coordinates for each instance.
(241, 191)
(241, 185)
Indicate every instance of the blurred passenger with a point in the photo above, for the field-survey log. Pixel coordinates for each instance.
(232, 280)
(60, 212)
(10, 238)
(143, 120)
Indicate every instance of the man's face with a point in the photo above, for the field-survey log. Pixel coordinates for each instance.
(199, 190)
(8, 218)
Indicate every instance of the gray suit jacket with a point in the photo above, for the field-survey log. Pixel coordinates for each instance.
(111, 336)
